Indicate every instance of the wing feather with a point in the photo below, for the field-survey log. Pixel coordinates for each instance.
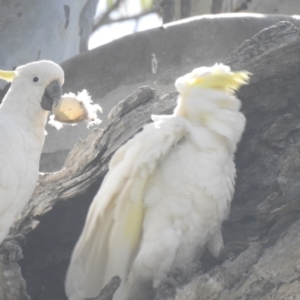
(113, 228)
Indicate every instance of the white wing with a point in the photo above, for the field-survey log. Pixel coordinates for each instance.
(19, 162)
(8, 178)
(113, 228)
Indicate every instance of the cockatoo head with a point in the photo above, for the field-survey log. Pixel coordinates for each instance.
(218, 77)
(41, 81)
(207, 89)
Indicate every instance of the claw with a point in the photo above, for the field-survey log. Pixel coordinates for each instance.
(11, 247)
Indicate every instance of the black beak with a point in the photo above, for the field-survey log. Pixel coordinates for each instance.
(52, 92)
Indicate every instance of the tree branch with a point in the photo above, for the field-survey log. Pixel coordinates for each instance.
(186, 7)
(101, 20)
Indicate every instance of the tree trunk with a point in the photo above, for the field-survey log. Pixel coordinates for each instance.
(288, 7)
(36, 29)
(262, 240)
(217, 6)
(168, 10)
(185, 8)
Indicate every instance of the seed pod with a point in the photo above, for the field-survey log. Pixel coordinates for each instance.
(71, 109)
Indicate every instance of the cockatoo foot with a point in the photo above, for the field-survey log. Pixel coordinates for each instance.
(11, 247)
(166, 289)
(108, 291)
(170, 281)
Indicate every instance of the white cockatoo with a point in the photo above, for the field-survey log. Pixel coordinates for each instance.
(23, 116)
(167, 192)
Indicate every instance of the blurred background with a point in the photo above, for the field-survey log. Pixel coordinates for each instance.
(116, 18)
(61, 29)
(112, 47)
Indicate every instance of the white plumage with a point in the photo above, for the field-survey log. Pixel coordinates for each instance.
(22, 133)
(166, 194)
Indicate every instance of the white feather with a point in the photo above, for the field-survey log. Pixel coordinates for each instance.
(180, 171)
(22, 133)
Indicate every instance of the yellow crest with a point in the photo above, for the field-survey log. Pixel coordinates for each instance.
(218, 77)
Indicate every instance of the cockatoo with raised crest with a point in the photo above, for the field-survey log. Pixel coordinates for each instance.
(166, 194)
(23, 115)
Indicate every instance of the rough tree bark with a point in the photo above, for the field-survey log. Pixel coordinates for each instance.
(262, 241)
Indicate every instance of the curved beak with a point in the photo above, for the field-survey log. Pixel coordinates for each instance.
(7, 75)
(52, 92)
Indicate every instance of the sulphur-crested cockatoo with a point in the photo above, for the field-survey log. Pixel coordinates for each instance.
(167, 191)
(23, 115)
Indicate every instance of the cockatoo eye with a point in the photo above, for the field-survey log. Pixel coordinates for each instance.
(35, 79)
